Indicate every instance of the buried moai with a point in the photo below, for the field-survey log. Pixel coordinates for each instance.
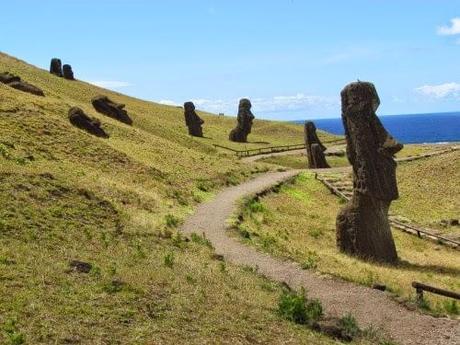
(105, 106)
(16, 83)
(91, 125)
(192, 120)
(363, 228)
(245, 119)
(56, 67)
(315, 149)
(67, 72)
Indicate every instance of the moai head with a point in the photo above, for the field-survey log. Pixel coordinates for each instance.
(245, 116)
(370, 148)
(67, 72)
(56, 67)
(189, 106)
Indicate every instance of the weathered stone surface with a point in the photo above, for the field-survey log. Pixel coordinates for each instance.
(79, 119)
(67, 72)
(192, 120)
(56, 67)
(362, 225)
(245, 118)
(15, 82)
(105, 106)
(315, 149)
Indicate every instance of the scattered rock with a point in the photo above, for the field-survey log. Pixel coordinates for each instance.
(192, 120)
(105, 106)
(15, 82)
(315, 149)
(380, 287)
(244, 125)
(67, 72)
(80, 266)
(363, 228)
(56, 67)
(79, 119)
(218, 257)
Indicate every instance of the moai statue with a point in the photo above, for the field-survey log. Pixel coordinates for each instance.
(67, 72)
(192, 120)
(315, 150)
(91, 125)
(56, 67)
(105, 106)
(245, 118)
(15, 82)
(363, 228)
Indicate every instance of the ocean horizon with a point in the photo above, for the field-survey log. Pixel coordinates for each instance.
(409, 128)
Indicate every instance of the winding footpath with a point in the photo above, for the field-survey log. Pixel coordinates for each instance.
(370, 307)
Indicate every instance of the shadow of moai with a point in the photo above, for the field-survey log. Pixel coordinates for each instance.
(245, 118)
(192, 120)
(315, 149)
(363, 228)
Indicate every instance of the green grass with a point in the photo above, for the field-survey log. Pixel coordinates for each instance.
(429, 190)
(116, 203)
(299, 223)
(299, 161)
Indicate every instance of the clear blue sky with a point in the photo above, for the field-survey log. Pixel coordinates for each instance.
(291, 57)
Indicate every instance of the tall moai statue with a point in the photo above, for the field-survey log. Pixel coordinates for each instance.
(362, 225)
(56, 67)
(245, 118)
(192, 120)
(315, 149)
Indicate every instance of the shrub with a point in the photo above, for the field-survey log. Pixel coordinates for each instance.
(297, 308)
(201, 240)
(171, 221)
(169, 260)
(348, 327)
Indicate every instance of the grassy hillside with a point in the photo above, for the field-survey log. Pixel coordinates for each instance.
(299, 223)
(116, 203)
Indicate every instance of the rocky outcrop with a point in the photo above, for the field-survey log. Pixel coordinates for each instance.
(363, 228)
(105, 106)
(16, 83)
(315, 149)
(91, 125)
(192, 120)
(244, 122)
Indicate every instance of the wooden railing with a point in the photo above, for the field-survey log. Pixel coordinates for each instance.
(419, 288)
(271, 149)
(411, 229)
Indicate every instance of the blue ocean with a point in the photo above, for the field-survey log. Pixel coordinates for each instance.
(409, 129)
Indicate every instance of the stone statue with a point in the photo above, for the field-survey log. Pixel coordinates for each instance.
(315, 150)
(67, 72)
(16, 83)
(91, 125)
(192, 120)
(245, 118)
(105, 106)
(362, 225)
(56, 67)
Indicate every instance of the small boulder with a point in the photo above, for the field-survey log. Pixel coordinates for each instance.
(79, 119)
(67, 72)
(56, 67)
(105, 106)
(80, 266)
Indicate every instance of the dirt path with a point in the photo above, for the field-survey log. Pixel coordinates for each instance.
(370, 307)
